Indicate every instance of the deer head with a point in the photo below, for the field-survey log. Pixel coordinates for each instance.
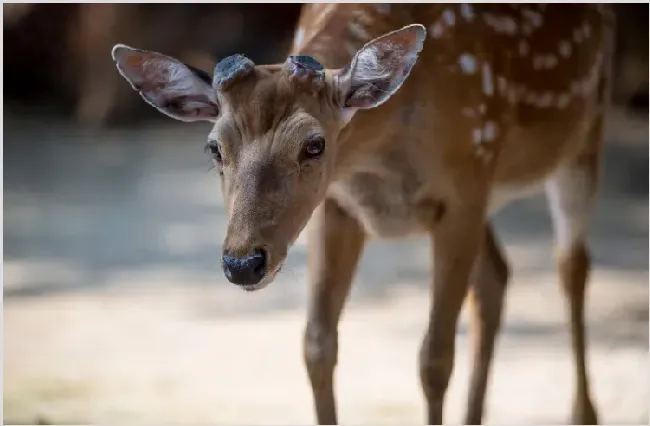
(274, 140)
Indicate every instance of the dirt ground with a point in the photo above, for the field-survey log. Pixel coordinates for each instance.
(116, 311)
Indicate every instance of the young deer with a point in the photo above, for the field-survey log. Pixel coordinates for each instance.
(504, 99)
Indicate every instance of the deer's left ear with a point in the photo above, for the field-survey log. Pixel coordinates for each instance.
(379, 69)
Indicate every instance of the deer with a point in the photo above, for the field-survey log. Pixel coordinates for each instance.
(395, 121)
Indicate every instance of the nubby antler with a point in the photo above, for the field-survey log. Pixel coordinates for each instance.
(231, 69)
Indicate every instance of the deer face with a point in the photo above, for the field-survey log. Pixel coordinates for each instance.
(275, 135)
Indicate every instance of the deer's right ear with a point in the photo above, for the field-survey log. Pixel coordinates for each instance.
(175, 89)
(378, 70)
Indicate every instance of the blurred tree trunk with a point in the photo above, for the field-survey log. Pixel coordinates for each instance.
(631, 56)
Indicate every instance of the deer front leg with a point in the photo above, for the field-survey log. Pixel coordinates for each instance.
(486, 296)
(455, 245)
(335, 245)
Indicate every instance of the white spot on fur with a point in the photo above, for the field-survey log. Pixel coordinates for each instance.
(546, 100)
(449, 17)
(467, 63)
(488, 81)
(486, 156)
(501, 24)
(363, 18)
(551, 61)
(535, 18)
(502, 84)
(477, 136)
(523, 47)
(481, 153)
(586, 30)
(489, 131)
(467, 11)
(436, 30)
(565, 49)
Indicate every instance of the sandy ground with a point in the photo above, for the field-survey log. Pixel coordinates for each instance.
(116, 311)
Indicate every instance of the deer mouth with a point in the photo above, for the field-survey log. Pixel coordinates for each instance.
(254, 287)
(268, 279)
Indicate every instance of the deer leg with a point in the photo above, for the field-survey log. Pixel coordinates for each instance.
(455, 245)
(335, 246)
(571, 192)
(486, 296)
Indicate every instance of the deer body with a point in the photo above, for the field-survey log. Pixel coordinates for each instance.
(504, 100)
(509, 94)
(397, 161)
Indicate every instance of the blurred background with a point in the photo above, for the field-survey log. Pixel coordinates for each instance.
(115, 306)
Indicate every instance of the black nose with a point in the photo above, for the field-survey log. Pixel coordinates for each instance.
(245, 270)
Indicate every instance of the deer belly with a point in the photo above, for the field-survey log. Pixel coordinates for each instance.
(502, 195)
(382, 207)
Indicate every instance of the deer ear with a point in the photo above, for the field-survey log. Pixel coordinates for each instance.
(175, 89)
(379, 68)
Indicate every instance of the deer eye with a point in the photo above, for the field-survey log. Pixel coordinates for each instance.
(213, 147)
(313, 148)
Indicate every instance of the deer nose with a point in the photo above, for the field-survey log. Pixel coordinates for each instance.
(247, 270)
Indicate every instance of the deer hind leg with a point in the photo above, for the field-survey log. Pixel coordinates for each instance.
(571, 192)
(486, 297)
(335, 246)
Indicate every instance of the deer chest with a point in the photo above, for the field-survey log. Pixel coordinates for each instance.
(388, 205)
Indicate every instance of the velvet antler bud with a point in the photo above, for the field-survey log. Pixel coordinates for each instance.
(231, 69)
(306, 71)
